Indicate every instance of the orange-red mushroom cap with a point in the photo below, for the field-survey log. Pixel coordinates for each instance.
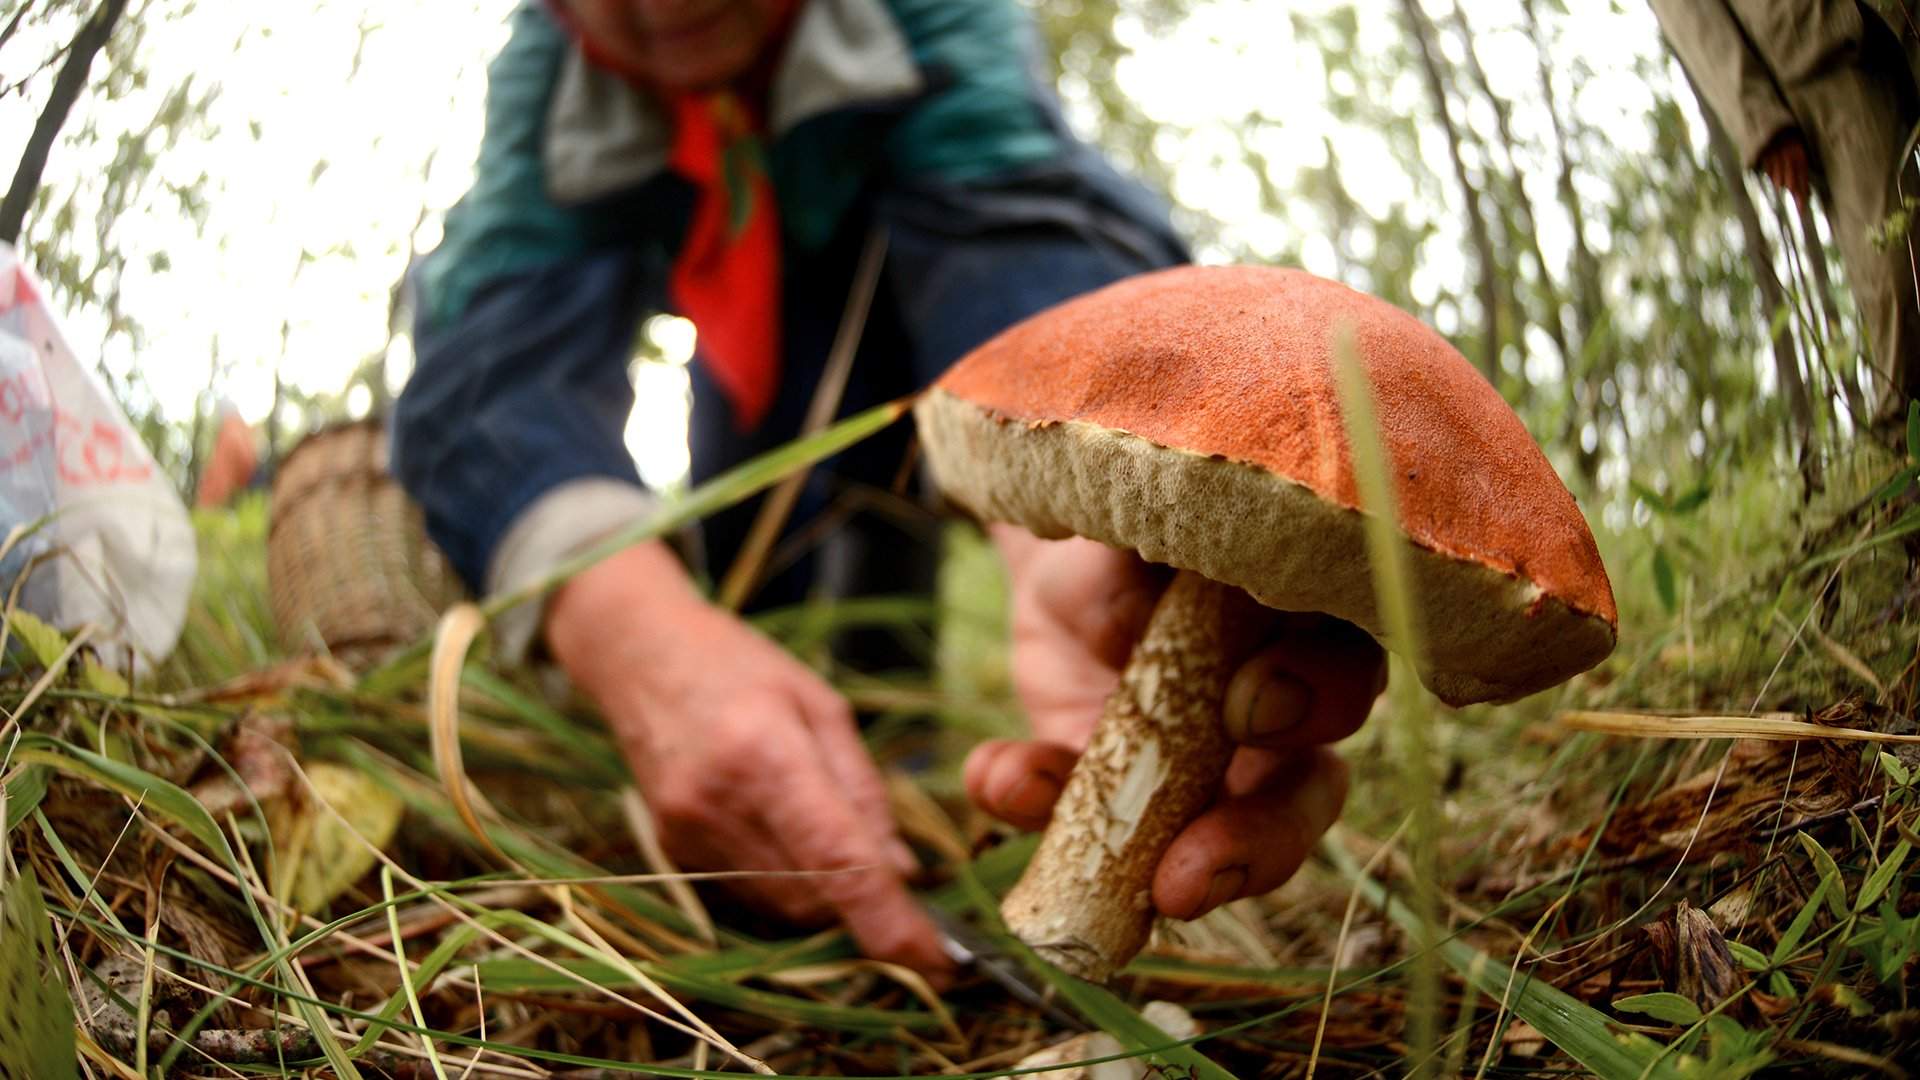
(1192, 415)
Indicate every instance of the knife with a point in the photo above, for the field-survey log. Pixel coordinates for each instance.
(969, 947)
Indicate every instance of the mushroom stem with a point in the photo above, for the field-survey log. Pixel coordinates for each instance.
(1154, 762)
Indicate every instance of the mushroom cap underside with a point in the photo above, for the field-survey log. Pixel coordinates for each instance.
(1191, 415)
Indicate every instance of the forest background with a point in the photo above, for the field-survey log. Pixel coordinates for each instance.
(224, 198)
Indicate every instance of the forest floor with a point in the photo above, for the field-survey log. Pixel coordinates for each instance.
(254, 862)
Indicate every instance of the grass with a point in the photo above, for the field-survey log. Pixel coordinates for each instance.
(1618, 902)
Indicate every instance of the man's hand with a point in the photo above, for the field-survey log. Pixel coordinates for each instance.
(1078, 608)
(1784, 162)
(748, 760)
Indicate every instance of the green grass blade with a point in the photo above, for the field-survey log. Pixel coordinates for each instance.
(1393, 591)
(1797, 929)
(739, 483)
(407, 976)
(1138, 1035)
(1882, 876)
(36, 1015)
(153, 793)
(1176, 969)
(74, 870)
(1120, 1020)
(531, 851)
(1582, 1032)
(590, 749)
(520, 974)
(24, 794)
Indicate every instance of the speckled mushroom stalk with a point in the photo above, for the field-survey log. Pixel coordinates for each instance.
(1154, 762)
(1190, 416)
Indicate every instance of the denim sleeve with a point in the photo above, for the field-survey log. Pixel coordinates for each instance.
(525, 391)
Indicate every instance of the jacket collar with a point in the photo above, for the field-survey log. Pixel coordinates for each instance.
(603, 136)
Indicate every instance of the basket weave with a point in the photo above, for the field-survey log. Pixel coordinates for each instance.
(349, 564)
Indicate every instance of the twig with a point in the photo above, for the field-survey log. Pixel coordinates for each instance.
(745, 573)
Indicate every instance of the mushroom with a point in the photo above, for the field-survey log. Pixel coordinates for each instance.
(1191, 416)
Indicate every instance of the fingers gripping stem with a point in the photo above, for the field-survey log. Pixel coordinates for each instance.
(1154, 763)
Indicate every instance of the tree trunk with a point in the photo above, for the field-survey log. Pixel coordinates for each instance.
(1773, 298)
(1422, 32)
(1582, 398)
(1524, 228)
(87, 43)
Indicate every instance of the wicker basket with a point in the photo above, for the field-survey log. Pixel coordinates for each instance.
(349, 564)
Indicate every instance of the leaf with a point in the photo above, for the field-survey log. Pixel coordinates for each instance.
(104, 680)
(1782, 986)
(1663, 580)
(1895, 486)
(1655, 501)
(1750, 958)
(36, 1024)
(1797, 930)
(1913, 430)
(1829, 871)
(1692, 500)
(1849, 999)
(43, 641)
(1669, 1007)
(1882, 876)
(1896, 771)
(22, 794)
(320, 854)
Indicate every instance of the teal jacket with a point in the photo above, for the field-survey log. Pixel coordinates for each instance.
(937, 91)
(931, 117)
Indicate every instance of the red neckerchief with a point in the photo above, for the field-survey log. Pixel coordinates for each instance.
(726, 277)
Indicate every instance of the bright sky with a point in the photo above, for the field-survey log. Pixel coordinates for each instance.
(310, 220)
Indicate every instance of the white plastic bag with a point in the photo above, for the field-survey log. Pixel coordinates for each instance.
(118, 550)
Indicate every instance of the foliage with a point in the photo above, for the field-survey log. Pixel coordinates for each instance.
(1633, 905)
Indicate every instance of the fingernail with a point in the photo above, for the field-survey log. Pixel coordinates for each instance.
(1226, 885)
(1031, 795)
(1281, 703)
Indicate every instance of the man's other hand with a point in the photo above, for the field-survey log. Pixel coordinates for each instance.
(1078, 607)
(747, 759)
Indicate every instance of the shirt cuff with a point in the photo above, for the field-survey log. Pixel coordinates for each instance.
(555, 527)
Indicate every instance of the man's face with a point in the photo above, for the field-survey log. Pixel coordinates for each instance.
(679, 44)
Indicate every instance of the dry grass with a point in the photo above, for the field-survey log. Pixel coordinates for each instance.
(1721, 905)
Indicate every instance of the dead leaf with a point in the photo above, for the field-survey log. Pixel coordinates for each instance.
(1694, 953)
(320, 853)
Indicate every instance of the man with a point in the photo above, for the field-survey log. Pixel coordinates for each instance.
(727, 159)
(1818, 96)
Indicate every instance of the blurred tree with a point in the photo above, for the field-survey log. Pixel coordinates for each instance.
(80, 59)
(1439, 77)
(1626, 300)
(77, 60)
